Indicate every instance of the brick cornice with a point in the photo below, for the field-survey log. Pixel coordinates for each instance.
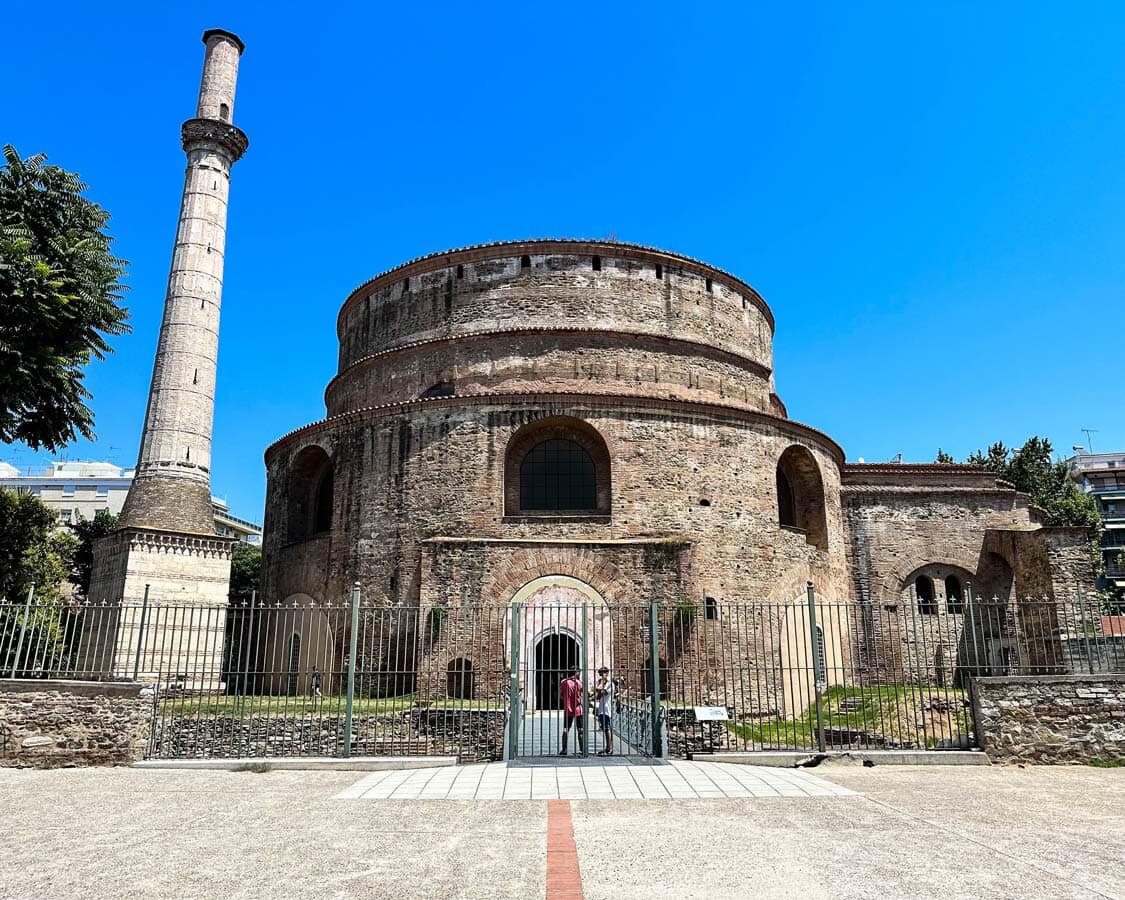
(628, 337)
(506, 249)
(613, 401)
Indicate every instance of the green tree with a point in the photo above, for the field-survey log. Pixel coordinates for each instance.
(1033, 470)
(60, 292)
(943, 457)
(87, 531)
(32, 552)
(245, 570)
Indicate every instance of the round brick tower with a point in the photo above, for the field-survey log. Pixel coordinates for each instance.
(464, 373)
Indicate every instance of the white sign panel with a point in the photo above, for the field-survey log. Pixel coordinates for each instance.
(711, 714)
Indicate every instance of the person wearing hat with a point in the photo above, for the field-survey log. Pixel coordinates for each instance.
(603, 694)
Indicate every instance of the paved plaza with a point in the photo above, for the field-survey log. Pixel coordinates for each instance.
(835, 831)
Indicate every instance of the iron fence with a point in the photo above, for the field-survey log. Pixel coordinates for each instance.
(346, 677)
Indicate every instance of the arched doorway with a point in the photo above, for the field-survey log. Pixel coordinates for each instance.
(556, 656)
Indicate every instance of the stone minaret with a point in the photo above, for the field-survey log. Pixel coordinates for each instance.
(166, 539)
(172, 487)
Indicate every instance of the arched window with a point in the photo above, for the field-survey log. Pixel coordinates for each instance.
(459, 679)
(557, 466)
(924, 590)
(557, 475)
(800, 496)
(310, 494)
(710, 608)
(224, 112)
(954, 600)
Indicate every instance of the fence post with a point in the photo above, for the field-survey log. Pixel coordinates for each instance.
(140, 636)
(654, 670)
(818, 675)
(975, 668)
(248, 638)
(353, 639)
(584, 659)
(1085, 625)
(514, 712)
(23, 628)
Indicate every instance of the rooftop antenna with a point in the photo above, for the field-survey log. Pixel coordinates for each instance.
(1089, 440)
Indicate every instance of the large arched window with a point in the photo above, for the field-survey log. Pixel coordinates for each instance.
(311, 492)
(800, 496)
(557, 474)
(557, 466)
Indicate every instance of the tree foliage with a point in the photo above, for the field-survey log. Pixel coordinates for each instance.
(32, 552)
(1033, 470)
(87, 531)
(943, 457)
(245, 570)
(60, 293)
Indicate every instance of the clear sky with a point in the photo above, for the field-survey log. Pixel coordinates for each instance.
(932, 200)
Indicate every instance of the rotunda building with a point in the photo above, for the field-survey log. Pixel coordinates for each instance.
(552, 424)
(595, 411)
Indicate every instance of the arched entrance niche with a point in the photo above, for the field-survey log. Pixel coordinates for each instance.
(552, 635)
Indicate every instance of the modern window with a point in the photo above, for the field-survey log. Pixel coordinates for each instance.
(557, 475)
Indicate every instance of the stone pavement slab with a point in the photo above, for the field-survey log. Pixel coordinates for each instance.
(677, 780)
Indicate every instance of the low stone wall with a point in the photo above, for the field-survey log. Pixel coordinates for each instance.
(72, 723)
(1051, 718)
(470, 734)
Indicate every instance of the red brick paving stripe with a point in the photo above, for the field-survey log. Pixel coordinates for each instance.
(564, 880)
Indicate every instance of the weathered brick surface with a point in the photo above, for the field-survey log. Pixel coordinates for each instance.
(1051, 719)
(56, 723)
(672, 367)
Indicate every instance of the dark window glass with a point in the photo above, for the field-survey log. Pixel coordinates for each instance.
(558, 475)
(786, 506)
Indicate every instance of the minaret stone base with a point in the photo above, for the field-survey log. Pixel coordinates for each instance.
(180, 638)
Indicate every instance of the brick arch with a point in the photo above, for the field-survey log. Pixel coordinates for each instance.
(903, 575)
(568, 428)
(574, 562)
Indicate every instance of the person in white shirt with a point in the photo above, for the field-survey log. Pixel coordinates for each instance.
(603, 693)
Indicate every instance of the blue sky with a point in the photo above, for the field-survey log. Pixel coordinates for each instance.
(931, 200)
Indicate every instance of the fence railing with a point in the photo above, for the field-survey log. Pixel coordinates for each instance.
(342, 677)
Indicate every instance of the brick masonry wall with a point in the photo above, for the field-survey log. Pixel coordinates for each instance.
(1051, 718)
(46, 724)
(527, 363)
(559, 289)
(438, 471)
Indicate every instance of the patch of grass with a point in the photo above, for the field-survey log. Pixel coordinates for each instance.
(1115, 762)
(898, 714)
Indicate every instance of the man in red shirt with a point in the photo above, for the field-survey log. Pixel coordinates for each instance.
(571, 693)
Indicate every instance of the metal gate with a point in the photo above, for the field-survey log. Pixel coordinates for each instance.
(585, 680)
